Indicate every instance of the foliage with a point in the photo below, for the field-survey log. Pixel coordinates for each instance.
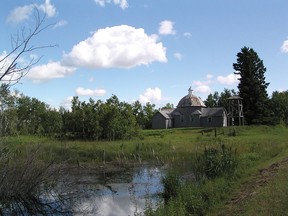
(171, 184)
(216, 100)
(279, 100)
(111, 120)
(256, 147)
(215, 162)
(252, 86)
(168, 106)
(97, 120)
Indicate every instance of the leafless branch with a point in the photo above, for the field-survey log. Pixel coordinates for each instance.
(11, 71)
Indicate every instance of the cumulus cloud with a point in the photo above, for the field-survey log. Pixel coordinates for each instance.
(203, 89)
(47, 8)
(166, 28)
(51, 70)
(230, 79)
(123, 4)
(178, 56)
(116, 47)
(284, 47)
(7, 59)
(151, 95)
(22, 13)
(90, 92)
(19, 14)
(203, 86)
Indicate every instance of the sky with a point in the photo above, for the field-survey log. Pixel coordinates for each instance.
(146, 50)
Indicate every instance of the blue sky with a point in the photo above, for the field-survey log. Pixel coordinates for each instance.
(147, 50)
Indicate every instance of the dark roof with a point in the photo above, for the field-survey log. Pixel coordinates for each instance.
(166, 113)
(215, 111)
(197, 112)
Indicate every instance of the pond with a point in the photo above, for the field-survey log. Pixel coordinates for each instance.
(93, 192)
(116, 193)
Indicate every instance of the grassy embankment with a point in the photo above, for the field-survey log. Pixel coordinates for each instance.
(256, 149)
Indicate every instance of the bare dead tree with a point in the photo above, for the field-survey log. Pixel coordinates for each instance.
(11, 71)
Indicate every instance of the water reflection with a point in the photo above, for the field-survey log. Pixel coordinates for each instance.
(126, 193)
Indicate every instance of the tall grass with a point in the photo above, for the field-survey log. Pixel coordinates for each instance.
(185, 150)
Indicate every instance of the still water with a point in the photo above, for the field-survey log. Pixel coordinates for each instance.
(115, 194)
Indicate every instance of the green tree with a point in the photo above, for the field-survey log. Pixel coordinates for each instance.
(8, 115)
(212, 100)
(138, 113)
(279, 100)
(149, 111)
(252, 86)
(168, 106)
(223, 99)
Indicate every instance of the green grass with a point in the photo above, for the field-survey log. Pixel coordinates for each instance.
(256, 148)
(271, 199)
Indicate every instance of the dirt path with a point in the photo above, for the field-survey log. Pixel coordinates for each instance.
(249, 189)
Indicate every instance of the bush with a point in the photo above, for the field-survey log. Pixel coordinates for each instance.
(215, 162)
(171, 184)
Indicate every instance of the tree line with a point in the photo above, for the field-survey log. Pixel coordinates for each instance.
(112, 119)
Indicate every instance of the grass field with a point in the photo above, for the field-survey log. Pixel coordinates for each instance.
(256, 148)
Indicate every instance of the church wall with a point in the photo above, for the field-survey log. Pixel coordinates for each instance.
(214, 121)
(186, 118)
(159, 121)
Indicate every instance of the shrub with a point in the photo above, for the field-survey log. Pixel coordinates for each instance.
(215, 162)
(171, 184)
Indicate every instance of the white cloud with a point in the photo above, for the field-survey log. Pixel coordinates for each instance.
(166, 28)
(90, 92)
(187, 34)
(151, 95)
(67, 102)
(203, 86)
(122, 3)
(284, 47)
(6, 60)
(22, 13)
(230, 79)
(178, 56)
(51, 70)
(209, 76)
(116, 47)
(60, 24)
(47, 8)
(203, 89)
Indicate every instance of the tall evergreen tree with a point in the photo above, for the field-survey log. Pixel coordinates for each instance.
(252, 86)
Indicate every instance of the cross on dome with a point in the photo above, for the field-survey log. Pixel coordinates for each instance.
(190, 91)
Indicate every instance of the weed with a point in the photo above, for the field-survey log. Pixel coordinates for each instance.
(215, 162)
(171, 183)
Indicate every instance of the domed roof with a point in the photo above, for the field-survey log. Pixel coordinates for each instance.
(190, 100)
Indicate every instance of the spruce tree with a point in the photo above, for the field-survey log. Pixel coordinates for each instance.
(252, 86)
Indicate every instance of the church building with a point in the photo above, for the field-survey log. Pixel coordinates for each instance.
(190, 112)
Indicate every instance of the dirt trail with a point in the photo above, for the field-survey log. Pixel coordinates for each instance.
(249, 189)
